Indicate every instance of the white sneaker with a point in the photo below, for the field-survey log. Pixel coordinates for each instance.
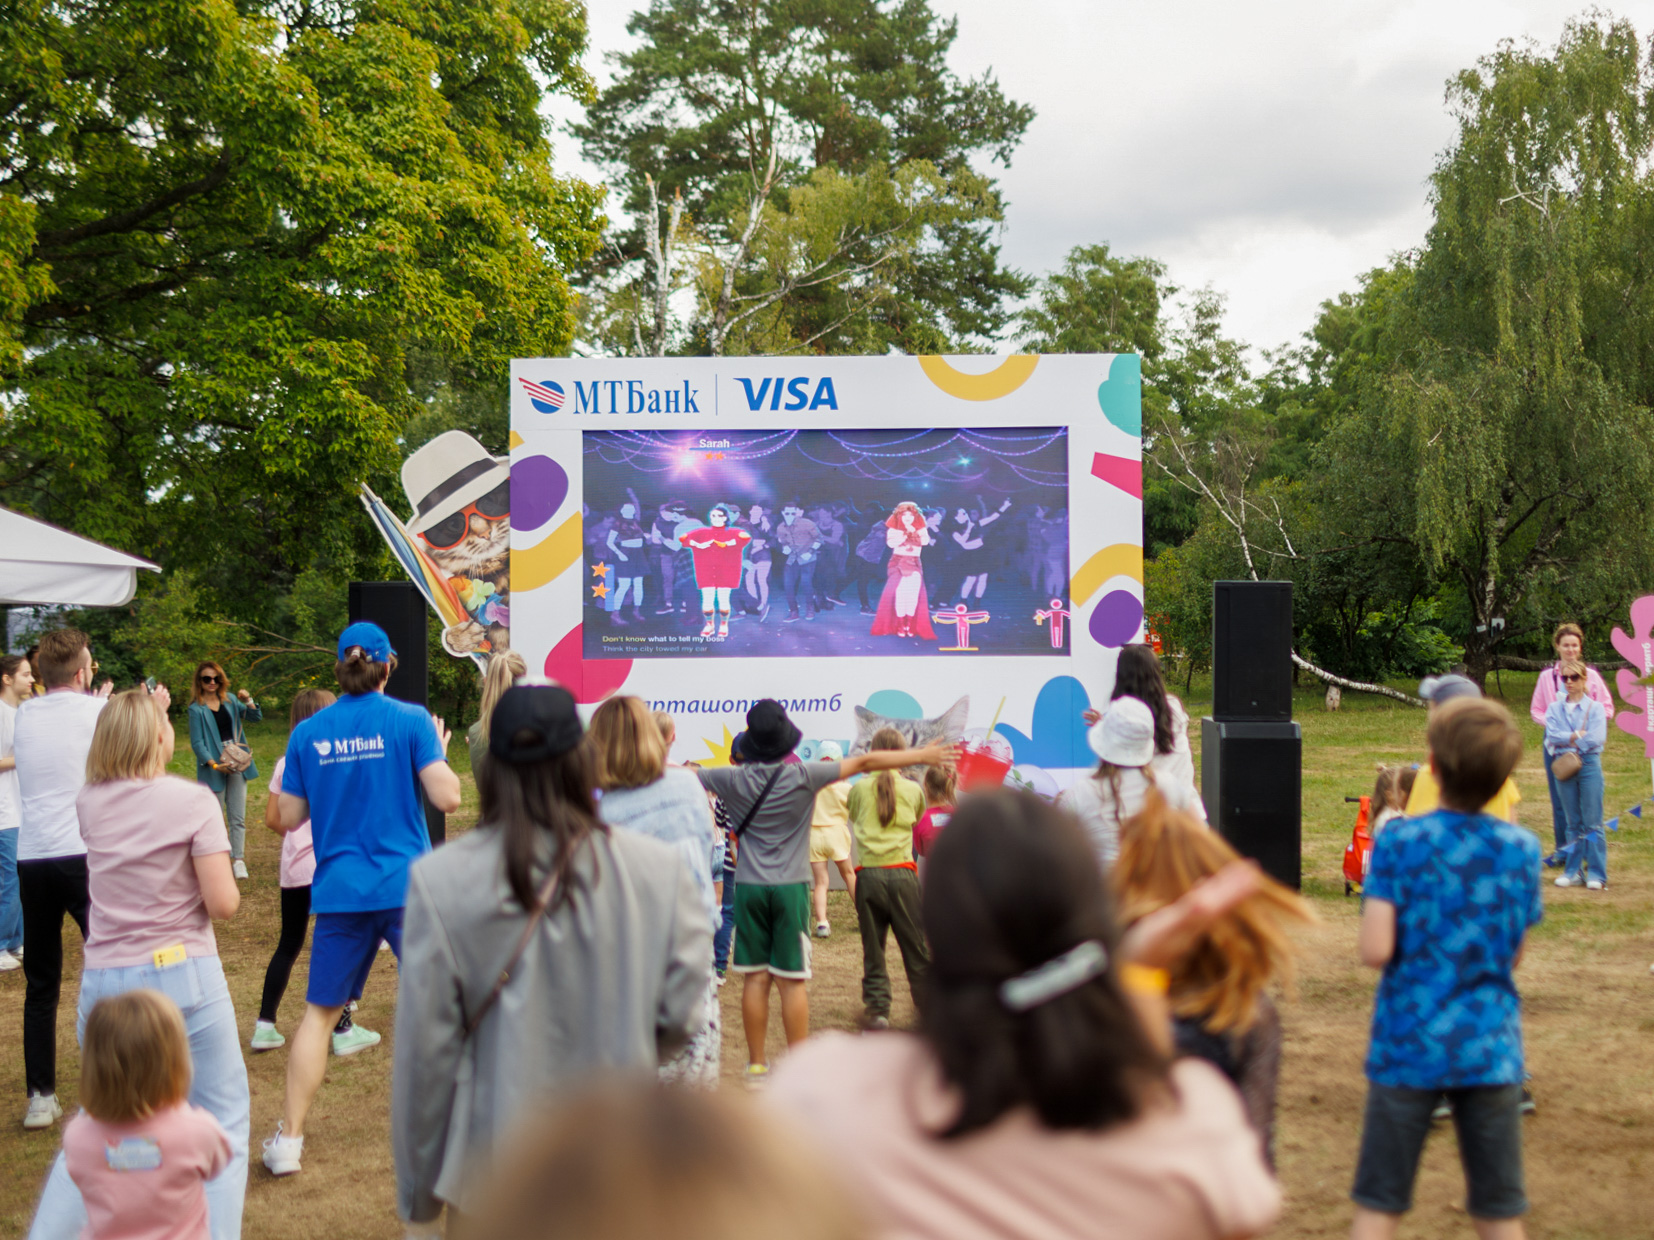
(43, 1111)
(823, 929)
(1593, 885)
(1574, 881)
(281, 1154)
(238, 868)
(8, 962)
(266, 1038)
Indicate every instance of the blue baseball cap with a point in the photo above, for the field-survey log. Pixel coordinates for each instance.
(370, 637)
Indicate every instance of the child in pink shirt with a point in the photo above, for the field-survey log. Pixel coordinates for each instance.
(939, 801)
(138, 1152)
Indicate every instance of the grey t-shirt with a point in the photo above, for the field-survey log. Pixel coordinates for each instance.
(775, 849)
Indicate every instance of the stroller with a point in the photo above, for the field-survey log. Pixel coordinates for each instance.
(1358, 853)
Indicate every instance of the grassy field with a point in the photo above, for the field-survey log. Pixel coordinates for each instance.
(1588, 993)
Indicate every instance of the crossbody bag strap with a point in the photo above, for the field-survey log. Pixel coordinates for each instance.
(762, 793)
(542, 901)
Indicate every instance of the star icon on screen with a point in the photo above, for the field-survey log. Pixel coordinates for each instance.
(600, 569)
(600, 591)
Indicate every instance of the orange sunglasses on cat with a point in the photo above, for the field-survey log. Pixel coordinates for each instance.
(451, 530)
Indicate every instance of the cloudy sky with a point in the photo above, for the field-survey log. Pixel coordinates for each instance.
(1274, 150)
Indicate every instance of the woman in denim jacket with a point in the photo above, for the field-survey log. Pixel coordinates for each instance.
(216, 717)
(1578, 723)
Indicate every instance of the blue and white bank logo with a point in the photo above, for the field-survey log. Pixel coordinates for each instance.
(546, 397)
(323, 747)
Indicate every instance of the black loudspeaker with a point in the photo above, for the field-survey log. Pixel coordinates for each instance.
(1252, 650)
(1251, 781)
(400, 609)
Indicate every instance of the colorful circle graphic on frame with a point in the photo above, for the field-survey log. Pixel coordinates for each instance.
(589, 680)
(1116, 618)
(1002, 380)
(538, 488)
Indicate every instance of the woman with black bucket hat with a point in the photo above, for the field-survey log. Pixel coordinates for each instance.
(770, 803)
(541, 948)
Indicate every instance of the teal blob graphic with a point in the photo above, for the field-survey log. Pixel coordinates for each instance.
(894, 704)
(1121, 394)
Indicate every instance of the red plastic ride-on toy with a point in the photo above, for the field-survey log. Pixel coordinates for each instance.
(1358, 854)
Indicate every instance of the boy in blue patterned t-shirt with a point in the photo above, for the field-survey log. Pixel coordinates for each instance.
(1450, 896)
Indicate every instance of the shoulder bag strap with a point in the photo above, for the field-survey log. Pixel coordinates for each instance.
(762, 793)
(542, 901)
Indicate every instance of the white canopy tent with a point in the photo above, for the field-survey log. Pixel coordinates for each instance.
(41, 565)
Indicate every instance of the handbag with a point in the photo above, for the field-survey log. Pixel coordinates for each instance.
(234, 754)
(1566, 765)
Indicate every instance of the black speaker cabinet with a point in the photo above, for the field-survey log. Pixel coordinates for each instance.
(400, 609)
(1251, 781)
(1252, 650)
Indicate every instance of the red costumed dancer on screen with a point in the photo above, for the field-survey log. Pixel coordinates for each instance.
(717, 547)
(903, 608)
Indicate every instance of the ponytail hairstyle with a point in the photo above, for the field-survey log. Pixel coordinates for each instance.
(884, 783)
(940, 784)
(1012, 885)
(503, 670)
(358, 673)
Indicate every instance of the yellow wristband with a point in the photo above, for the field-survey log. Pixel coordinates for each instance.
(1143, 980)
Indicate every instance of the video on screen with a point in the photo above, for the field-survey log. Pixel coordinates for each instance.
(805, 544)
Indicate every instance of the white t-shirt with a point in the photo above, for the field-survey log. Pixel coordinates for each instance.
(11, 814)
(54, 735)
(1091, 800)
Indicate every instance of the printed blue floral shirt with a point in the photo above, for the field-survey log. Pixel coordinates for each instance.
(1466, 889)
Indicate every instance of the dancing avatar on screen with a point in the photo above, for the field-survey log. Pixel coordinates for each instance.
(903, 607)
(717, 547)
(625, 543)
(973, 552)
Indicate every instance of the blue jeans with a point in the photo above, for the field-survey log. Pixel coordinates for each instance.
(197, 986)
(1559, 817)
(726, 931)
(1582, 804)
(11, 908)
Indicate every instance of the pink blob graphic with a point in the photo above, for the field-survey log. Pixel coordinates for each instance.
(1119, 471)
(590, 680)
(1637, 650)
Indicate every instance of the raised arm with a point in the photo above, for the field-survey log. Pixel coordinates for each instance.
(895, 759)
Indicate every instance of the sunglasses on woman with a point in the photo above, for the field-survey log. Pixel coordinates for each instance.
(450, 531)
(209, 680)
(1570, 676)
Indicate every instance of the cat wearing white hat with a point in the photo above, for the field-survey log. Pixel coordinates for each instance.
(461, 499)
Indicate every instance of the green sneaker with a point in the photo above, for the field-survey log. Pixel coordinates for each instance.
(354, 1039)
(265, 1037)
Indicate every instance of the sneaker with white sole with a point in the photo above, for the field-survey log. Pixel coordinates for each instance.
(1594, 885)
(265, 1037)
(354, 1039)
(43, 1111)
(282, 1153)
(823, 929)
(238, 867)
(1570, 880)
(8, 962)
(757, 1075)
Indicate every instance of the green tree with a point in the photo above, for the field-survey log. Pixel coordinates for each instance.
(237, 241)
(823, 157)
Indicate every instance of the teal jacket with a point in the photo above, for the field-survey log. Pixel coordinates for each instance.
(204, 740)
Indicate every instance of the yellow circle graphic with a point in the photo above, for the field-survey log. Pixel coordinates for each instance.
(1002, 380)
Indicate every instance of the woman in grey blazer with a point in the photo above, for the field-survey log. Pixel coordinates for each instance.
(612, 974)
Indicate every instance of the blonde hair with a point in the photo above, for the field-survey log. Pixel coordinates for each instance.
(1570, 667)
(502, 673)
(629, 747)
(884, 783)
(636, 1160)
(134, 1057)
(668, 728)
(126, 744)
(1164, 853)
(1387, 791)
(940, 785)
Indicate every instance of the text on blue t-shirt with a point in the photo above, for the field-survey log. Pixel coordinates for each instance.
(1465, 889)
(357, 763)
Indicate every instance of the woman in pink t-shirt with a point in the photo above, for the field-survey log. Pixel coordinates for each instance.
(158, 871)
(1038, 1099)
(1569, 643)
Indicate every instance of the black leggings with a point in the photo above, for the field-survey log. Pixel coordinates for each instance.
(47, 888)
(295, 920)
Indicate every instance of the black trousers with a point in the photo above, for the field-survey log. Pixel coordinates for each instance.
(47, 888)
(295, 921)
(887, 900)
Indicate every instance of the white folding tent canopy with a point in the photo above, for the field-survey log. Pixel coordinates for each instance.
(41, 565)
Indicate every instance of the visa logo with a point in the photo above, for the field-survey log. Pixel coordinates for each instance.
(795, 390)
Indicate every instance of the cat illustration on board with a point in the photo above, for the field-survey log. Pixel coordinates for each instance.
(945, 728)
(461, 499)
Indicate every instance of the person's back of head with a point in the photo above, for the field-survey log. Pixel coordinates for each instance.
(1474, 746)
(1137, 674)
(129, 741)
(365, 659)
(1387, 793)
(60, 656)
(1164, 853)
(135, 1057)
(504, 670)
(308, 702)
(668, 729)
(538, 776)
(884, 783)
(637, 1160)
(1022, 1003)
(940, 785)
(627, 744)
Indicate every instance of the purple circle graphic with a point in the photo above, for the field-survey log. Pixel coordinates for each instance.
(1118, 616)
(538, 488)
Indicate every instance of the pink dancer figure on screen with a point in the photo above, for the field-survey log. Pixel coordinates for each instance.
(962, 619)
(1056, 613)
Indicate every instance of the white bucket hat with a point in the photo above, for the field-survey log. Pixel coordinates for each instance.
(1125, 734)
(830, 751)
(448, 473)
